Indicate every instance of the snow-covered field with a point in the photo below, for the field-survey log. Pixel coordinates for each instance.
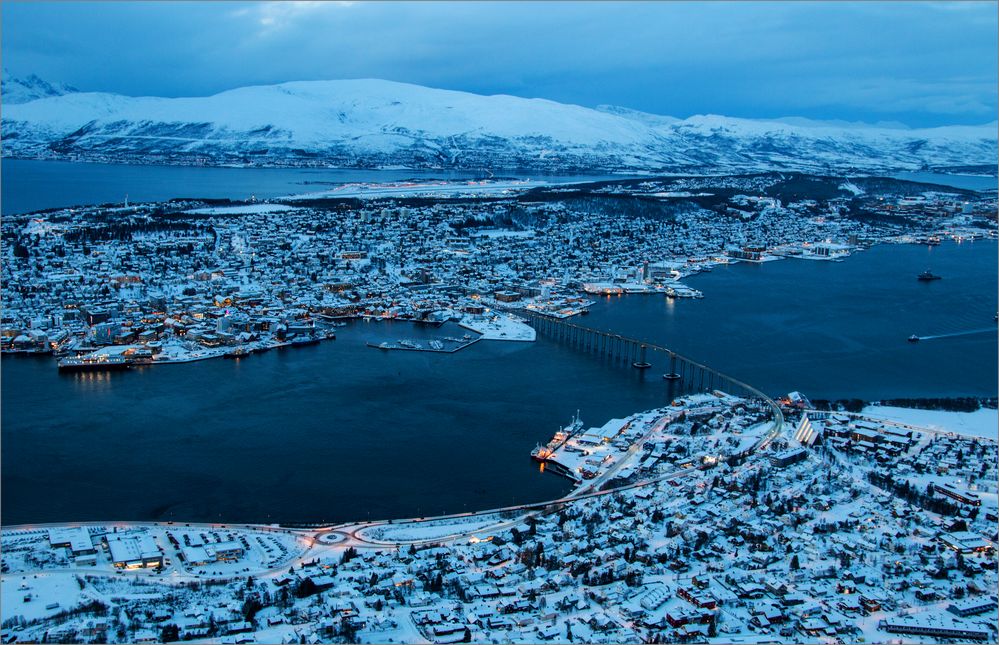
(980, 423)
(430, 530)
(248, 209)
(32, 595)
(499, 327)
(408, 189)
(501, 233)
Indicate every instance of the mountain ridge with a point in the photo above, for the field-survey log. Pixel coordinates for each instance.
(23, 90)
(374, 123)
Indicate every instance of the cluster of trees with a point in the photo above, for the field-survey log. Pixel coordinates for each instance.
(514, 217)
(845, 405)
(951, 404)
(21, 251)
(125, 230)
(924, 499)
(622, 206)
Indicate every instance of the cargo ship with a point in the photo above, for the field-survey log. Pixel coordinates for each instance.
(927, 276)
(542, 453)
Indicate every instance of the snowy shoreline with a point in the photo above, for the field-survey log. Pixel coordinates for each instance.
(982, 423)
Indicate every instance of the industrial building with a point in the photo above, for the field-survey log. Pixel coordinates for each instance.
(134, 551)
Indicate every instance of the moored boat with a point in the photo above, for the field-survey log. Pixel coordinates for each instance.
(92, 363)
(542, 453)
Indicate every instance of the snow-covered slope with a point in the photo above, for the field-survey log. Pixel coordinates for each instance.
(21, 90)
(367, 123)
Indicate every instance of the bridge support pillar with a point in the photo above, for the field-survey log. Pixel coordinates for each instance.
(641, 363)
(671, 375)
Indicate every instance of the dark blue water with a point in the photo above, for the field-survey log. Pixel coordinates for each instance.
(29, 185)
(835, 329)
(331, 432)
(970, 182)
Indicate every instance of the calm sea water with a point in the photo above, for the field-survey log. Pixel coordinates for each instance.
(971, 182)
(835, 329)
(30, 185)
(330, 432)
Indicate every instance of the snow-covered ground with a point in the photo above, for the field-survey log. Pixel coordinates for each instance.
(32, 595)
(426, 189)
(501, 233)
(498, 326)
(248, 209)
(431, 530)
(980, 423)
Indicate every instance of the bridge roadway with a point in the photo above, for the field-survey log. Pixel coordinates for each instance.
(632, 350)
(352, 534)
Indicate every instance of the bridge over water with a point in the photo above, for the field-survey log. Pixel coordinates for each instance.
(684, 372)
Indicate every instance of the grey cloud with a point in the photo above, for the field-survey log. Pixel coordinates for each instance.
(932, 63)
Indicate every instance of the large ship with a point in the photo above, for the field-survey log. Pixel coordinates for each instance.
(542, 453)
(93, 363)
(926, 276)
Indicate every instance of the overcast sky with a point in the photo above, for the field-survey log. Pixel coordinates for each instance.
(922, 63)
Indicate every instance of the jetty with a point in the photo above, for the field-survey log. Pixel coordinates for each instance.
(446, 345)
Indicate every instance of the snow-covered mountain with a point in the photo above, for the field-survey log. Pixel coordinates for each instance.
(375, 123)
(21, 90)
